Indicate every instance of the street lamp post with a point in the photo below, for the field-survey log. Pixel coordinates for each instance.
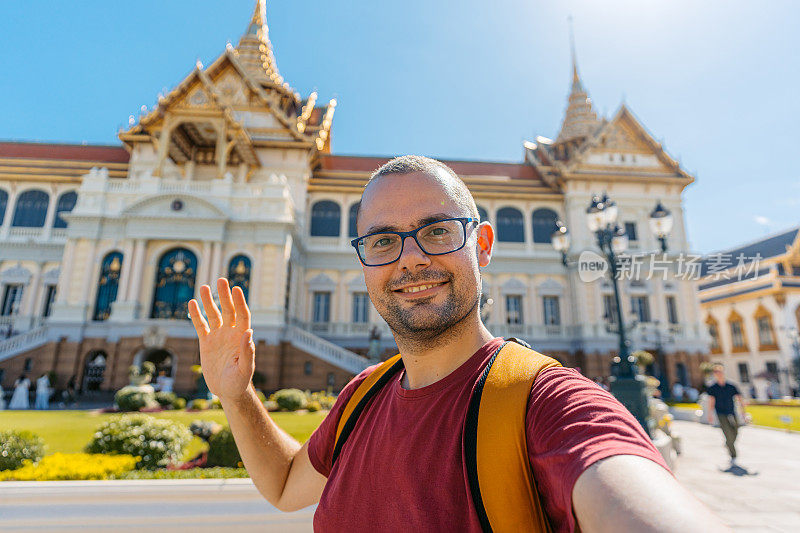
(627, 384)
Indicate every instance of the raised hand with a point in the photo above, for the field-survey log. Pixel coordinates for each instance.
(227, 352)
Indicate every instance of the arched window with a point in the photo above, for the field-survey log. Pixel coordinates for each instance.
(483, 214)
(544, 225)
(352, 231)
(175, 279)
(66, 203)
(239, 274)
(509, 225)
(325, 216)
(107, 285)
(738, 338)
(766, 334)
(31, 209)
(3, 204)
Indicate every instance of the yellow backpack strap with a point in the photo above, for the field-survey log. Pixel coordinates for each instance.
(495, 444)
(364, 392)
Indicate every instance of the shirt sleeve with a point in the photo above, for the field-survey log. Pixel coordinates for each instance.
(321, 442)
(571, 424)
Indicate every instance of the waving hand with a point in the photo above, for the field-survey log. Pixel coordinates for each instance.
(227, 352)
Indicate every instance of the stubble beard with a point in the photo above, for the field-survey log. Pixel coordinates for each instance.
(422, 321)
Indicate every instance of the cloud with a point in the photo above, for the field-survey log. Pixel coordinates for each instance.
(762, 221)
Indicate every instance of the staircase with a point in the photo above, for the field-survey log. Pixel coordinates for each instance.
(325, 350)
(23, 342)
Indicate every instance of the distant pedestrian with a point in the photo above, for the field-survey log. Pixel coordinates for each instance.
(68, 394)
(677, 391)
(43, 392)
(721, 399)
(19, 400)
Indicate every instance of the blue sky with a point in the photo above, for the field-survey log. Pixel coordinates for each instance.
(715, 81)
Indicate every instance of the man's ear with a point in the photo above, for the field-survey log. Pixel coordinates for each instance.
(485, 243)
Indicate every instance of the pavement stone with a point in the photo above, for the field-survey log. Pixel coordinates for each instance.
(762, 495)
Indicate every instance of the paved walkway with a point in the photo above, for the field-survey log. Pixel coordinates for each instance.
(761, 496)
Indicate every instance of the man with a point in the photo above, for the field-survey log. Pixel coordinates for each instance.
(402, 468)
(721, 396)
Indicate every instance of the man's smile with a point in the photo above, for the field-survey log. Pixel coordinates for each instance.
(419, 290)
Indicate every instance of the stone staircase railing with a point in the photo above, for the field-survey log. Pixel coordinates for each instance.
(325, 350)
(22, 342)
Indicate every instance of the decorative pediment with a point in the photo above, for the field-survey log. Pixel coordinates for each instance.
(16, 274)
(172, 206)
(321, 282)
(550, 287)
(514, 285)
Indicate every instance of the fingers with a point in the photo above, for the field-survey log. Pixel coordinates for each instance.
(242, 311)
(197, 319)
(214, 317)
(248, 346)
(226, 302)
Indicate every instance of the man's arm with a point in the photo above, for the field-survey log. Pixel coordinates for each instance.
(631, 493)
(712, 401)
(279, 466)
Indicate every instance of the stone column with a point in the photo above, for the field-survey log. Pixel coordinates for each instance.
(125, 274)
(127, 309)
(9, 214)
(51, 214)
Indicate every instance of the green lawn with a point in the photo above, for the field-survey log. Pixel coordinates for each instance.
(70, 431)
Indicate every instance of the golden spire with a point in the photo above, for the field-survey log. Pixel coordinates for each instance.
(255, 49)
(580, 119)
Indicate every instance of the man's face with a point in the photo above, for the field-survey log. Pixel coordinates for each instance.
(403, 203)
(719, 375)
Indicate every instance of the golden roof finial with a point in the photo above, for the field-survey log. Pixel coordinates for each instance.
(580, 119)
(255, 49)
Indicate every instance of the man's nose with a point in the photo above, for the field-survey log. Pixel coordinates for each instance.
(412, 255)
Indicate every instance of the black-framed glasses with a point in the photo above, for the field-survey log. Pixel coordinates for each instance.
(437, 238)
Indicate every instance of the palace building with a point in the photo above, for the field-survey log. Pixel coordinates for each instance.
(750, 299)
(232, 174)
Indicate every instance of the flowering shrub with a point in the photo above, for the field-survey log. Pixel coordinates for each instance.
(67, 466)
(324, 399)
(204, 428)
(19, 446)
(156, 442)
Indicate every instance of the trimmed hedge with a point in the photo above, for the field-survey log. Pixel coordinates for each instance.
(222, 450)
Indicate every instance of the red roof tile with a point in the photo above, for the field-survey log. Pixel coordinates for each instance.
(75, 152)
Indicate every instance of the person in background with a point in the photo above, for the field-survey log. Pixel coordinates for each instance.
(20, 400)
(677, 391)
(43, 392)
(721, 400)
(164, 382)
(68, 395)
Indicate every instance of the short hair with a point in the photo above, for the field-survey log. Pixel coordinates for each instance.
(716, 366)
(409, 164)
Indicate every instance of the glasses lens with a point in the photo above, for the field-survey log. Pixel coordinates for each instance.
(380, 248)
(441, 237)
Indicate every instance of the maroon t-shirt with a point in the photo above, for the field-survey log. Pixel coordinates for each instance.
(402, 468)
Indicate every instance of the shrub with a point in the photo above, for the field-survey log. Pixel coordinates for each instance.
(289, 399)
(16, 447)
(204, 428)
(271, 405)
(324, 399)
(156, 442)
(313, 406)
(179, 403)
(135, 399)
(69, 466)
(216, 403)
(222, 450)
(198, 404)
(165, 399)
(261, 396)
